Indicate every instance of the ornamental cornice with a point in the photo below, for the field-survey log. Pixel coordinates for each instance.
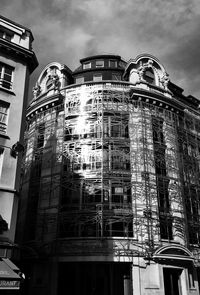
(19, 52)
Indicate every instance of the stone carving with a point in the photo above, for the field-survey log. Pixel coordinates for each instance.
(36, 90)
(53, 79)
(165, 80)
(143, 67)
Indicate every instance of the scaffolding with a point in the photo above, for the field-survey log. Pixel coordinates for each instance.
(110, 165)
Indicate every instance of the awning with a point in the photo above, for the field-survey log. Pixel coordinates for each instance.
(9, 279)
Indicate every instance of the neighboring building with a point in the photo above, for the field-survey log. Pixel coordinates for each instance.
(110, 192)
(17, 61)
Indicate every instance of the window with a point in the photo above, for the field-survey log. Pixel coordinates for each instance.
(6, 73)
(97, 77)
(149, 76)
(79, 80)
(87, 65)
(99, 63)
(6, 35)
(40, 137)
(3, 117)
(116, 76)
(117, 195)
(112, 63)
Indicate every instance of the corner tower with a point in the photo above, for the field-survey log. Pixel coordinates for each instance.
(110, 178)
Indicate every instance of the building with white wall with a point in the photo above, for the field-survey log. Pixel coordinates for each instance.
(17, 62)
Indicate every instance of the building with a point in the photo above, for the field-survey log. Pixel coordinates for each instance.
(17, 61)
(110, 186)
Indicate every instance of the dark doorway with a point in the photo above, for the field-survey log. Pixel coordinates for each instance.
(172, 282)
(92, 278)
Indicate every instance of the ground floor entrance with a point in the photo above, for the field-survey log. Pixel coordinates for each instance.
(172, 282)
(94, 278)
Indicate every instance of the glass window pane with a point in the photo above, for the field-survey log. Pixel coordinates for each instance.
(149, 76)
(7, 77)
(99, 63)
(8, 70)
(112, 63)
(6, 85)
(97, 77)
(87, 65)
(8, 37)
(3, 117)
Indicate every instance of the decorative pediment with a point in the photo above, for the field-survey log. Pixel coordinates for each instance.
(147, 69)
(173, 252)
(53, 77)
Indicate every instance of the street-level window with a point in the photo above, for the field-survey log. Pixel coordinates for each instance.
(99, 63)
(6, 35)
(6, 75)
(97, 77)
(3, 117)
(87, 65)
(79, 80)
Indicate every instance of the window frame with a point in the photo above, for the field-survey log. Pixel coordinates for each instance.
(4, 117)
(100, 65)
(97, 75)
(149, 76)
(4, 81)
(7, 35)
(112, 61)
(87, 65)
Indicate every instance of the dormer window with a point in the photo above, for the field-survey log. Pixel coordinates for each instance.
(149, 76)
(112, 63)
(87, 65)
(99, 63)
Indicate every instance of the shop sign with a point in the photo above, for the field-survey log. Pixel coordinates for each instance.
(8, 284)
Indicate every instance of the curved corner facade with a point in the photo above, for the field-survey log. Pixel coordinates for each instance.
(110, 186)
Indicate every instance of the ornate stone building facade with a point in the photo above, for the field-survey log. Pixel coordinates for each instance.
(110, 186)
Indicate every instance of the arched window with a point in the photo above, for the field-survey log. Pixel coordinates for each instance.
(149, 76)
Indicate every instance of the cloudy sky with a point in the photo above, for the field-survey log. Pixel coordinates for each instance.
(67, 30)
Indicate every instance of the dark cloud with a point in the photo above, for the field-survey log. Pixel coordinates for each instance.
(67, 30)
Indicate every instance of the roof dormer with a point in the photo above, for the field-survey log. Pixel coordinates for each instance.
(146, 69)
(53, 77)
